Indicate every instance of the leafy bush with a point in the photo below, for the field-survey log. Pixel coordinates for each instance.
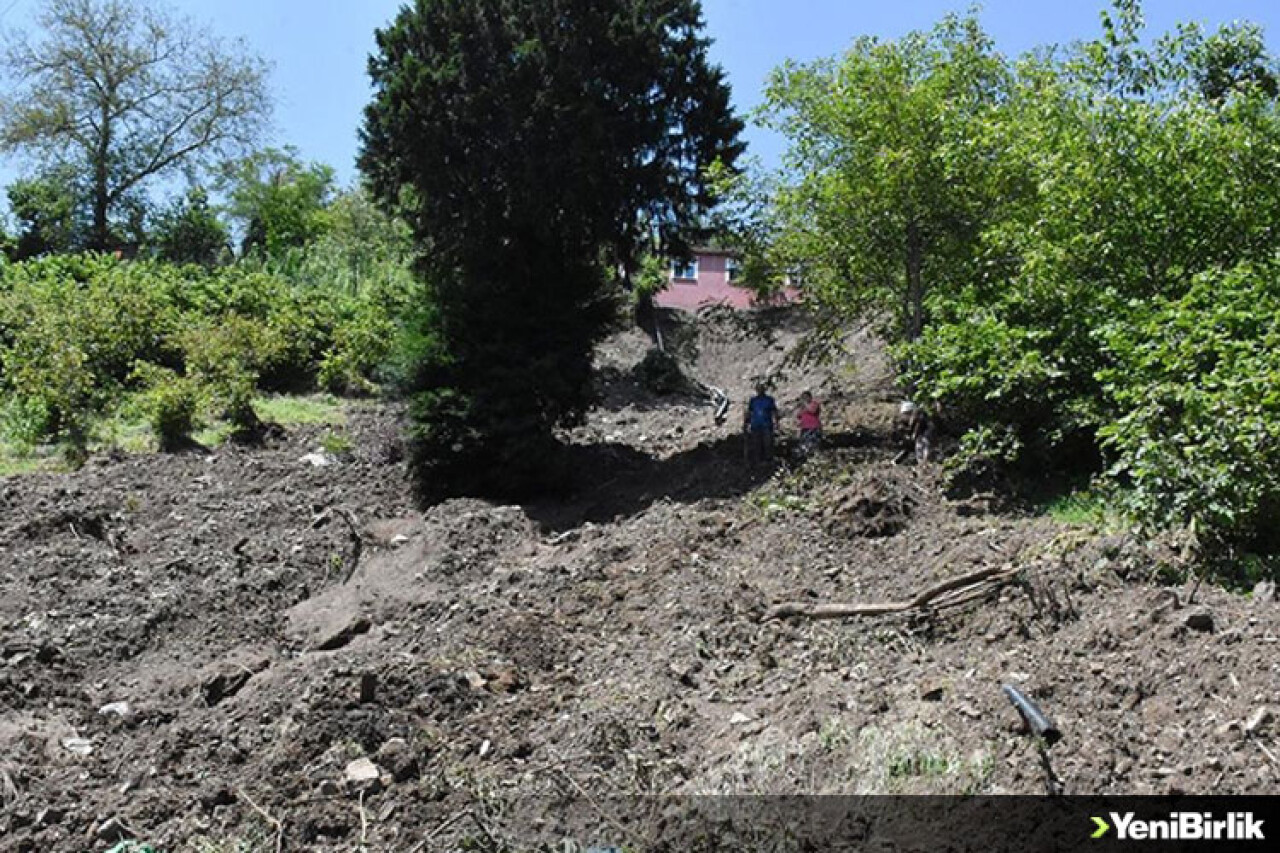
(226, 355)
(70, 333)
(80, 333)
(1091, 236)
(1196, 440)
(361, 344)
(170, 403)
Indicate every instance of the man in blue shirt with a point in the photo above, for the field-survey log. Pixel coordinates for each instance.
(759, 422)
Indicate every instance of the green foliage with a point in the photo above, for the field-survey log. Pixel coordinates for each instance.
(1087, 508)
(652, 276)
(336, 443)
(533, 146)
(79, 334)
(190, 232)
(1197, 388)
(119, 93)
(71, 330)
(48, 214)
(170, 403)
(279, 200)
(891, 172)
(1097, 268)
(309, 409)
(227, 355)
(362, 342)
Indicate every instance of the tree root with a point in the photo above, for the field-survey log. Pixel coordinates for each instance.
(949, 593)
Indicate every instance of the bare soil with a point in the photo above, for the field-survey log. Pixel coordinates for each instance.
(197, 650)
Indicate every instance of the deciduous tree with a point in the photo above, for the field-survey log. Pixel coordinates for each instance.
(891, 167)
(278, 199)
(122, 92)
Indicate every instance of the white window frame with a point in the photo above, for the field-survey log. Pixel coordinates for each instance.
(677, 268)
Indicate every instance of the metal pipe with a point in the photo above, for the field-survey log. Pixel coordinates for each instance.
(1039, 724)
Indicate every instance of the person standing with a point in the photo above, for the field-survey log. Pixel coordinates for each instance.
(809, 416)
(759, 422)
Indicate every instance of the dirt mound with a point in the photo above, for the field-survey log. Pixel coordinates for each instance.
(253, 646)
(876, 506)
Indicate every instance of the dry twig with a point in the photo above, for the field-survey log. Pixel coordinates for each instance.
(277, 825)
(364, 823)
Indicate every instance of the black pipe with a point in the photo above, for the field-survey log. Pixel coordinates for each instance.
(1039, 724)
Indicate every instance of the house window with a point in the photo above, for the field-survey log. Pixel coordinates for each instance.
(685, 270)
(732, 269)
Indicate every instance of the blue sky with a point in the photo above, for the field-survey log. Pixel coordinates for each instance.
(318, 48)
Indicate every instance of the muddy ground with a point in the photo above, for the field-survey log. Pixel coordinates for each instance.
(244, 650)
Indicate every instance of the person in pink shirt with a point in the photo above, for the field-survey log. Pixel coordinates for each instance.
(810, 417)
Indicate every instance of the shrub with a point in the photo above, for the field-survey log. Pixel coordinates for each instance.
(170, 403)
(1196, 440)
(361, 345)
(226, 356)
(75, 328)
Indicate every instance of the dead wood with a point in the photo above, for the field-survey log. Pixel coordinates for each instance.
(964, 588)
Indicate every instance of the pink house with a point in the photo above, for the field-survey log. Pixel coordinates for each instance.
(708, 278)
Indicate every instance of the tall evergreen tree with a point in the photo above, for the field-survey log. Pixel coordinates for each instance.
(540, 142)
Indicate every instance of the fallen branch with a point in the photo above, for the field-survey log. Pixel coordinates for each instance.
(966, 588)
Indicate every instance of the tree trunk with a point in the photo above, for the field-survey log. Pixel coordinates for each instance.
(100, 236)
(913, 307)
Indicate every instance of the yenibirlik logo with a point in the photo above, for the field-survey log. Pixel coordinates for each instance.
(1183, 826)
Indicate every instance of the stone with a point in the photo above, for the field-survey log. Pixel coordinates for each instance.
(113, 829)
(504, 679)
(362, 773)
(317, 459)
(49, 816)
(78, 745)
(739, 719)
(1200, 620)
(398, 758)
(115, 709)
(932, 691)
(344, 635)
(1264, 591)
(1230, 730)
(223, 685)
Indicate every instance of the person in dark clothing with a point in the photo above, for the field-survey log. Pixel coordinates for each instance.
(759, 422)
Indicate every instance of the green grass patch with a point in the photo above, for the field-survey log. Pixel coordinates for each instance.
(214, 434)
(15, 466)
(128, 430)
(323, 409)
(336, 442)
(1081, 508)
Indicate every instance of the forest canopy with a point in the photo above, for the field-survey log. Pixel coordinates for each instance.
(1074, 253)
